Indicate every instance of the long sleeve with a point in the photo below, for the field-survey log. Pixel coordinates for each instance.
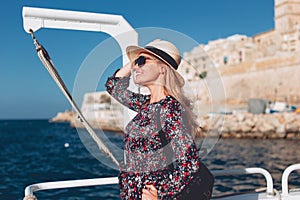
(184, 149)
(117, 88)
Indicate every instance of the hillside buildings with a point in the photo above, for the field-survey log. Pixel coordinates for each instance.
(284, 39)
(263, 66)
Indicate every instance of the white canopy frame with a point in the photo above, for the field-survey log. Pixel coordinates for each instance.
(114, 25)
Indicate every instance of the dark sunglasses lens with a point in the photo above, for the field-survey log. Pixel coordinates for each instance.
(140, 61)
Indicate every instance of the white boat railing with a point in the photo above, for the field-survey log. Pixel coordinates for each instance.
(285, 176)
(254, 170)
(29, 190)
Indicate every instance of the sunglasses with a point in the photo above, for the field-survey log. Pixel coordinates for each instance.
(141, 61)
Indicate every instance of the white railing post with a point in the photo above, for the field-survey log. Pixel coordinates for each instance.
(285, 177)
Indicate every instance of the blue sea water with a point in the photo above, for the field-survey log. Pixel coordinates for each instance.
(33, 151)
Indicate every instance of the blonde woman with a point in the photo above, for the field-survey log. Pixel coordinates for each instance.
(161, 160)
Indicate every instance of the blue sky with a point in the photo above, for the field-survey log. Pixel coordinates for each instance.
(27, 90)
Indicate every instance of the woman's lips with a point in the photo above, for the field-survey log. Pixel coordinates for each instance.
(137, 73)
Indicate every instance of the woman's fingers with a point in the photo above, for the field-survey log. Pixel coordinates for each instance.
(151, 187)
(146, 195)
(150, 193)
(146, 192)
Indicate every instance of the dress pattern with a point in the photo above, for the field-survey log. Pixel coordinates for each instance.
(145, 161)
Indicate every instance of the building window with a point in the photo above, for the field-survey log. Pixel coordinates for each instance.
(225, 60)
(240, 56)
(187, 70)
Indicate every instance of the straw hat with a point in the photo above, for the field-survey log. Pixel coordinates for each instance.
(164, 50)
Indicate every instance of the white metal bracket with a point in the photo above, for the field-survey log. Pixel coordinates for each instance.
(114, 25)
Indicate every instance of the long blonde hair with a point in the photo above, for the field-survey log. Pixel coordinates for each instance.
(173, 88)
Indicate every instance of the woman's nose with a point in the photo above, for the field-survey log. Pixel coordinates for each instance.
(135, 66)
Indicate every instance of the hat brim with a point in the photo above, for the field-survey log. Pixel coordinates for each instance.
(134, 51)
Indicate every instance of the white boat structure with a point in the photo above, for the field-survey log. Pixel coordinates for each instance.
(115, 25)
(270, 193)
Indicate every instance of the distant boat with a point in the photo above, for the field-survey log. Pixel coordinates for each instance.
(277, 106)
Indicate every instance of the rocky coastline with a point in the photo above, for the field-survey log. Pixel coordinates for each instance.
(285, 125)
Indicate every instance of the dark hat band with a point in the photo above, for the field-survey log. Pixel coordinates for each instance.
(163, 55)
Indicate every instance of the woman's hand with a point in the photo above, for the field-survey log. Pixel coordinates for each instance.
(124, 71)
(150, 193)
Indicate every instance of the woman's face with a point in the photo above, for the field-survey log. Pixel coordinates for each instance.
(148, 73)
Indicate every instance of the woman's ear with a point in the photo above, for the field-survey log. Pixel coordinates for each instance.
(163, 69)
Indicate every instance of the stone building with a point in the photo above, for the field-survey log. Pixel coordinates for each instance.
(236, 49)
(263, 66)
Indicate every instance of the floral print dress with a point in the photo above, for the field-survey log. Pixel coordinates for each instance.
(145, 161)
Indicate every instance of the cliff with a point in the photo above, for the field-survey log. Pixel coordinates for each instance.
(66, 116)
(99, 109)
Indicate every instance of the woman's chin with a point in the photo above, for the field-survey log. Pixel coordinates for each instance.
(138, 81)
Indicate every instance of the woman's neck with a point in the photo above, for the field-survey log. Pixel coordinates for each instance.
(157, 93)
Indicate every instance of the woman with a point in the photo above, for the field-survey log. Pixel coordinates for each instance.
(164, 115)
